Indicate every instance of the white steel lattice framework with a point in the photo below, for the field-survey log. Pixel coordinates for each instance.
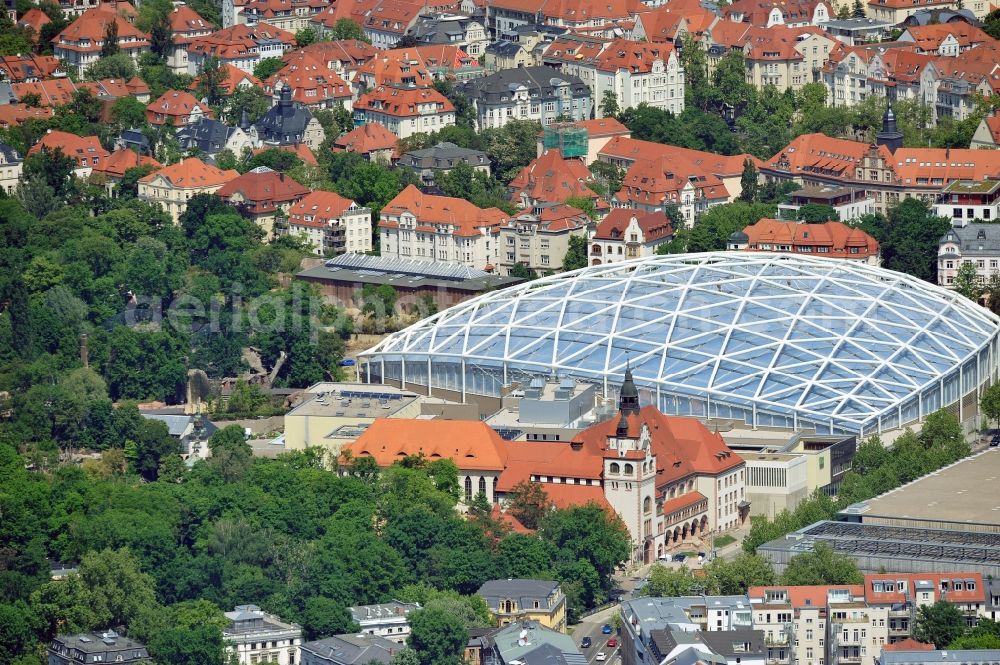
(771, 339)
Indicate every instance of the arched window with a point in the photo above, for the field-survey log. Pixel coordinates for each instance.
(468, 489)
(615, 468)
(482, 485)
(647, 505)
(629, 469)
(495, 481)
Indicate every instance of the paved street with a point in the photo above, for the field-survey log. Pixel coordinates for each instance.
(591, 627)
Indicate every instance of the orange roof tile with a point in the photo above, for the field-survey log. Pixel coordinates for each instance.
(568, 496)
(80, 148)
(86, 33)
(908, 644)
(122, 160)
(367, 138)
(311, 81)
(52, 92)
(630, 149)
(836, 236)
(402, 102)
(929, 37)
(654, 225)
(300, 150)
(631, 56)
(471, 444)
(822, 154)
(348, 53)
(22, 67)
(192, 173)
(465, 218)
(321, 207)
(235, 78)
(977, 595)
(177, 105)
(393, 16)
(806, 595)
(575, 11)
(263, 186)
(34, 18)
(552, 179)
(12, 115)
(509, 520)
(187, 23)
(942, 165)
(399, 67)
(238, 41)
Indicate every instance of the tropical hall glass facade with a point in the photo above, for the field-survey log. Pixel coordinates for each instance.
(776, 340)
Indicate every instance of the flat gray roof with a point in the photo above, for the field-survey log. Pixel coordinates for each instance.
(355, 400)
(408, 274)
(960, 493)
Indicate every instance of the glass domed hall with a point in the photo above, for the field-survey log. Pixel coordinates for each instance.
(776, 340)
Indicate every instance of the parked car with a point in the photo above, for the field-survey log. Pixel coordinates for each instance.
(606, 629)
(612, 643)
(601, 657)
(585, 644)
(679, 557)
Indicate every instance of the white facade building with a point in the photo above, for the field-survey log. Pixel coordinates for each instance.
(258, 637)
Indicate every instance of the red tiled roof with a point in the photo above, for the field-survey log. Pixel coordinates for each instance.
(806, 595)
(300, 150)
(322, 207)
(235, 77)
(192, 173)
(471, 444)
(568, 496)
(177, 105)
(122, 160)
(908, 644)
(350, 53)
(631, 56)
(86, 34)
(466, 218)
(12, 115)
(681, 502)
(662, 180)
(631, 149)
(187, 23)
(80, 148)
(238, 41)
(402, 102)
(929, 37)
(34, 18)
(654, 226)
(311, 81)
(552, 179)
(978, 595)
(821, 153)
(262, 186)
(22, 67)
(944, 164)
(52, 92)
(512, 522)
(398, 66)
(836, 236)
(393, 16)
(367, 138)
(575, 11)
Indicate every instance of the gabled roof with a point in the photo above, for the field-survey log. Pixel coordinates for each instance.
(944, 164)
(466, 219)
(552, 219)
(471, 444)
(239, 40)
(300, 150)
(392, 16)
(552, 179)
(402, 102)
(322, 207)
(235, 77)
(34, 18)
(821, 153)
(191, 173)
(932, 581)
(930, 37)
(350, 53)
(631, 149)
(186, 23)
(176, 104)
(805, 596)
(758, 12)
(311, 81)
(631, 56)
(21, 67)
(51, 92)
(837, 236)
(367, 138)
(654, 225)
(263, 184)
(12, 115)
(396, 66)
(908, 644)
(71, 145)
(122, 160)
(574, 11)
(86, 33)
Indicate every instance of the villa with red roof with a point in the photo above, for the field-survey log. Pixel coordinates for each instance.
(831, 239)
(113, 169)
(423, 227)
(405, 111)
(178, 108)
(290, 15)
(86, 151)
(313, 84)
(173, 186)
(373, 141)
(263, 194)
(550, 179)
(331, 224)
(242, 46)
(539, 239)
(627, 234)
(186, 24)
(80, 43)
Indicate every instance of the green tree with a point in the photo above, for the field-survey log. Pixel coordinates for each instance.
(232, 456)
(528, 503)
(695, 63)
(522, 271)
(161, 34)
(128, 113)
(576, 253)
(198, 645)
(908, 238)
(250, 99)
(712, 230)
(437, 636)
(736, 576)
(584, 205)
(609, 104)
(591, 534)
(966, 281)
(153, 443)
(984, 635)
(117, 66)
(859, 9)
(669, 583)
(821, 566)
(816, 213)
(267, 67)
(345, 28)
(989, 403)
(110, 46)
(323, 617)
(748, 181)
(211, 77)
(939, 624)
(305, 37)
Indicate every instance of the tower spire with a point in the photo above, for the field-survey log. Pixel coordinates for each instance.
(628, 398)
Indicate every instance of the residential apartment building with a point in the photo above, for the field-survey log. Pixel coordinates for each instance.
(173, 186)
(464, 32)
(539, 239)
(787, 58)
(769, 13)
(389, 21)
(289, 123)
(373, 141)
(289, 15)
(897, 11)
(80, 43)
(349, 650)
(852, 75)
(176, 108)
(831, 239)
(987, 134)
(439, 159)
(241, 46)
(967, 202)
(263, 195)
(517, 644)
(849, 203)
(424, 227)
(944, 39)
(405, 111)
(313, 83)
(403, 68)
(512, 601)
(952, 85)
(388, 620)
(977, 243)
(627, 234)
(330, 223)
(527, 93)
(10, 169)
(98, 647)
(255, 636)
(551, 179)
(185, 24)
(895, 598)
(86, 151)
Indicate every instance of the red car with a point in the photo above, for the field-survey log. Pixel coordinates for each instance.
(612, 643)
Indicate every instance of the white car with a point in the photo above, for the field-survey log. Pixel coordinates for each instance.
(601, 657)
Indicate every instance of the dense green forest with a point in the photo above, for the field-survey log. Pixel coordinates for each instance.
(162, 558)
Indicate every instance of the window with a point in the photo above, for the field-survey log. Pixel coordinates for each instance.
(468, 489)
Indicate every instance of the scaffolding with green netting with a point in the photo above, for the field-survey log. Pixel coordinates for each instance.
(568, 138)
